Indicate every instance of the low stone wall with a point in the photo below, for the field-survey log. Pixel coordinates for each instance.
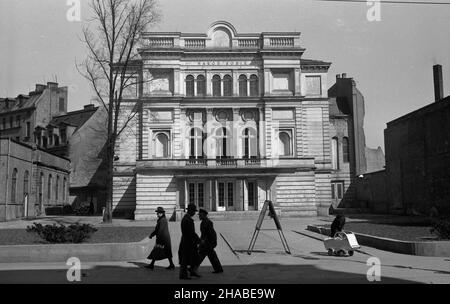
(432, 248)
(85, 252)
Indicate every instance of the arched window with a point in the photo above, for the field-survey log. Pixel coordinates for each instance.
(345, 150)
(284, 144)
(227, 86)
(64, 189)
(196, 143)
(161, 145)
(201, 85)
(189, 85)
(49, 188)
(254, 85)
(14, 186)
(243, 86)
(57, 188)
(222, 142)
(216, 86)
(335, 153)
(250, 147)
(26, 178)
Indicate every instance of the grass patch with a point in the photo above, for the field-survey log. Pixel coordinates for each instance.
(103, 235)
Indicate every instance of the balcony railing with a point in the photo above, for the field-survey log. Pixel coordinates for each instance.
(227, 163)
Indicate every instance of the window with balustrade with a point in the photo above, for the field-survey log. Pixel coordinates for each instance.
(189, 85)
(243, 86)
(216, 86)
(222, 145)
(249, 143)
(196, 143)
(227, 86)
(254, 85)
(201, 85)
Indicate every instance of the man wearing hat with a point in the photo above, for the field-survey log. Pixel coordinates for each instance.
(208, 241)
(163, 247)
(188, 252)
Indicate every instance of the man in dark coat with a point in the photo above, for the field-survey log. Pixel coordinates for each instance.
(162, 238)
(208, 241)
(188, 250)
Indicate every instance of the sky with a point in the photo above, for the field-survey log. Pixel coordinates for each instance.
(391, 60)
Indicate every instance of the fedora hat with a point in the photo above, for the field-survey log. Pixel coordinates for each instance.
(203, 211)
(160, 210)
(192, 207)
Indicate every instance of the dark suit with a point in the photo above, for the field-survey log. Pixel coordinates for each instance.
(208, 241)
(187, 252)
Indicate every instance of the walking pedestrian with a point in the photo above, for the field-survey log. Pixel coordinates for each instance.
(208, 241)
(188, 250)
(163, 247)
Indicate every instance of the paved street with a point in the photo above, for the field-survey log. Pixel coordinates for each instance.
(308, 262)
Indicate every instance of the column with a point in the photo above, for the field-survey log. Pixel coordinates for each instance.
(177, 82)
(209, 83)
(266, 81)
(217, 194)
(221, 86)
(210, 151)
(195, 86)
(248, 85)
(183, 135)
(245, 189)
(297, 91)
(235, 83)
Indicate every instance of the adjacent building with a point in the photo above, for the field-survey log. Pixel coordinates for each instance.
(33, 181)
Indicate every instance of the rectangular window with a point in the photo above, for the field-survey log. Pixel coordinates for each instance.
(251, 193)
(191, 193)
(11, 121)
(221, 194)
(230, 194)
(62, 104)
(200, 195)
(337, 190)
(313, 86)
(28, 129)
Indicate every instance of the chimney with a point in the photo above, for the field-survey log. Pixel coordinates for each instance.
(40, 88)
(344, 75)
(52, 85)
(338, 76)
(438, 82)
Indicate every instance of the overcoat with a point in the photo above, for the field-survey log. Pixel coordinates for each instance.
(208, 235)
(162, 235)
(188, 252)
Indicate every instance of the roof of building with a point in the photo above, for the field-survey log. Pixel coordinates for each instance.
(312, 62)
(432, 107)
(74, 118)
(22, 102)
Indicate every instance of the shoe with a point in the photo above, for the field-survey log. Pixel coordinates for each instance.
(218, 271)
(170, 267)
(150, 266)
(194, 274)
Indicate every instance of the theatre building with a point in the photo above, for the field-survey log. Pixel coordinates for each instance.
(225, 120)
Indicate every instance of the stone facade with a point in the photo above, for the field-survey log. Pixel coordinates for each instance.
(226, 120)
(33, 181)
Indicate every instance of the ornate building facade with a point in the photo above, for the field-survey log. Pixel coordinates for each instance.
(225, 120)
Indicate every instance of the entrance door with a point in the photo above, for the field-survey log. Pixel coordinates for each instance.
(225, 196)
(337, 193)
(196, 192)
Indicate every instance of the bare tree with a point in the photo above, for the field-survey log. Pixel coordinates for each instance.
(112, 37)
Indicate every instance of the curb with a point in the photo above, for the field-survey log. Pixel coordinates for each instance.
(85, 252)
(432, 248)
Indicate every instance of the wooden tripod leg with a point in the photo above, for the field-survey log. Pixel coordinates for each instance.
(284, 242)
(253, 241)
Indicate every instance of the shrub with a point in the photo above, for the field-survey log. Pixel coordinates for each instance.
(441, 227)
(75, 233)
